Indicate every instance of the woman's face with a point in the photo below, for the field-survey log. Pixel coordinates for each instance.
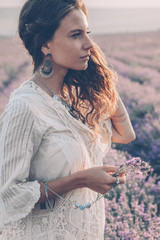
(71, 46)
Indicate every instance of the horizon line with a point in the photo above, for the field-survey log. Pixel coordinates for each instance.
(100, 7)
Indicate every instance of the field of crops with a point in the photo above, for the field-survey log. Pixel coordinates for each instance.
(133, 210)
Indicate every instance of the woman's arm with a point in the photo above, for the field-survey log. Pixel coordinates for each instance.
(121, 125)
(20, 138)
(97, 178)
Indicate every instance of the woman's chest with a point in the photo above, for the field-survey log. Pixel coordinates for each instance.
(62, 152)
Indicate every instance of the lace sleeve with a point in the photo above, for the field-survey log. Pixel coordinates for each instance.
(19, 141)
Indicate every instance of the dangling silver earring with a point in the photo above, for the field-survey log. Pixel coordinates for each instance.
(46, 70)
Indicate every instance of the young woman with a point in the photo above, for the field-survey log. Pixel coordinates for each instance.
(56, 129)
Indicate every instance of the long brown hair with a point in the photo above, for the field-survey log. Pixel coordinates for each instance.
(92, 91)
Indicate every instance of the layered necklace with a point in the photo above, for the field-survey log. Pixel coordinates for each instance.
(70, 109)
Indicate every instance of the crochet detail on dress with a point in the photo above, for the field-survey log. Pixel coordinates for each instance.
(62, 109)
(63, 222)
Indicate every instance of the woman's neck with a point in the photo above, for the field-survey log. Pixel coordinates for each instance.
(55, 82)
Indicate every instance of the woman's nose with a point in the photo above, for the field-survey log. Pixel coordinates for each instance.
(88, 43)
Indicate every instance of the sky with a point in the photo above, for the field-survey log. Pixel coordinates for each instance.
(123, 3)
(96, 3)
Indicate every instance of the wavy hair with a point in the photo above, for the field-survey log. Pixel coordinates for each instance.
(93, 91)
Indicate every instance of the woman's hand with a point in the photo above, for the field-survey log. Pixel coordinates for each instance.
(99, 179)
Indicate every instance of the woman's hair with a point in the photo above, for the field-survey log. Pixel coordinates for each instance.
(92, 91)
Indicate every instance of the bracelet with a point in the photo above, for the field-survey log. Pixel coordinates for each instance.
(46, 194)
(135, 165)
(75, 206)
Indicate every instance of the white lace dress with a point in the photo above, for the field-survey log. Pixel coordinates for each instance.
(41, 141)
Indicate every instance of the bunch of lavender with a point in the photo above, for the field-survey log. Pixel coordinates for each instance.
(132, 208)
(133, 166)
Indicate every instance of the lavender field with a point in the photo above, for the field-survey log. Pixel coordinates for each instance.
(136, 58)
(133, 210)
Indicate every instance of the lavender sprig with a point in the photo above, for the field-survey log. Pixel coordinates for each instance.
(133, 166)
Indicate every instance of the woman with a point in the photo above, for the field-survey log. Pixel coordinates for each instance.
(56, 129)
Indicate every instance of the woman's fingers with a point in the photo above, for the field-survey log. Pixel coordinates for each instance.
(113, 169)
(109, 168)
(98, 179)
(119, 174)
(119, 180)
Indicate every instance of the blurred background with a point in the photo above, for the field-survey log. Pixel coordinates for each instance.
(128, 32)
(116, 16)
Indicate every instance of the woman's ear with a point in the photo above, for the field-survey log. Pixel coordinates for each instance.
(45, 49)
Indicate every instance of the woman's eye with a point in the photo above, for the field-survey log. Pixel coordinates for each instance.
(76, 35)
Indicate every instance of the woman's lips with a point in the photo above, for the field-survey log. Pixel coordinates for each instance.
(86, 57)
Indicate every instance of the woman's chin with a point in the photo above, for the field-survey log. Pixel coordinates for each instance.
(80, 67)
(84, 67)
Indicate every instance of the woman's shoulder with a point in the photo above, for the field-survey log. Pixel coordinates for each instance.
(17, 108)
(19, 98)
(30, 98)
(28, 95)
(25, 91)
(21, 101)
(22, 109)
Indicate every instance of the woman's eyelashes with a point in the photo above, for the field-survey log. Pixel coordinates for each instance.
(75, 35)
(79, 34)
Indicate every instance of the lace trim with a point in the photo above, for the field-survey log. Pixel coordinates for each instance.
(53, 102)
(63, 221)
(74, 125)
(77, 123)
(23, 212)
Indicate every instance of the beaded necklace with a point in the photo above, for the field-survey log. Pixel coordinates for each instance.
(75, 206)
(55, 97)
